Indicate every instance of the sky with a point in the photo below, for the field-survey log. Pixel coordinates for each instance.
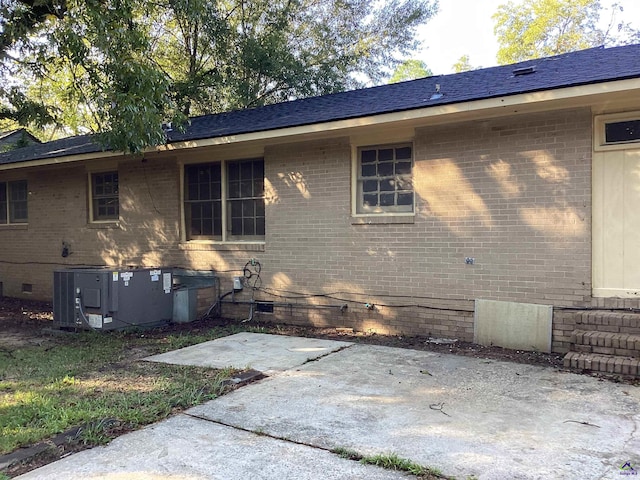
(465, 27)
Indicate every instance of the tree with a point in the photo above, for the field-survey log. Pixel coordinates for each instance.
(410, 70)
(540, 28)
(463, 65)
(122, 67)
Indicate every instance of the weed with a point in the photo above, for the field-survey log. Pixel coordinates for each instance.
(390, 462)
(257, 329)
(394, 462)
(347, 453)
(96, 433)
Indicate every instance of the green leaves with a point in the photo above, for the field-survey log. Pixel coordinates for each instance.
(463, 65)
(542, 28)
(410, 70)
(124, 67)
(128, 94)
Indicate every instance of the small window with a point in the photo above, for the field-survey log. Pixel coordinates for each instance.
(622, 132)
(385, 179)
(104, 196)
(616, 131)
(14, 202)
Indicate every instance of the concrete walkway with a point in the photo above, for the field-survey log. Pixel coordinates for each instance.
(464, 416)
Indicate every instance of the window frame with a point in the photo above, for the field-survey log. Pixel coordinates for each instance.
(93, 217)
(600, 123)
(8, 204)
(188, 201)
(226, 235)
(358, 211)
(243, 199)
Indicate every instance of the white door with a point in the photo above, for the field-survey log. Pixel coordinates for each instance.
(616, 223)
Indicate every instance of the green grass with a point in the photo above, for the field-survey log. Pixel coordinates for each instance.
(90, 379)
(390, 462)
(394, 462)
(347, 453)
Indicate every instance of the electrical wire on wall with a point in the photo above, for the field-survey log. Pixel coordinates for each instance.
(252, 280)
(370, 305)
(98, 265)
(251, 273)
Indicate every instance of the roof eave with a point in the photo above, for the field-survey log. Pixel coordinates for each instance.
(550, 99)
(577, 95)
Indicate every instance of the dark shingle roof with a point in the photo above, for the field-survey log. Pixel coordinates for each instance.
(12, 136)
(590, 66)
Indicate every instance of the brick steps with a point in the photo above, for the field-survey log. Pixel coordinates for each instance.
(606, 321)
(602, 363)
(605, 341)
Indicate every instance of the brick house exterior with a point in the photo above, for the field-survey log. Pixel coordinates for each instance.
(500, 205)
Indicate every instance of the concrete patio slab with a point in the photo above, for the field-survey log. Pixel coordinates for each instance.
(184, 448)
(465, 416)
(259, 351)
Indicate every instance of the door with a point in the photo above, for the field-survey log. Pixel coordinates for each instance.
(616, 223)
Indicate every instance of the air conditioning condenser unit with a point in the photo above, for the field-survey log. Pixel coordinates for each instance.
(104, 298)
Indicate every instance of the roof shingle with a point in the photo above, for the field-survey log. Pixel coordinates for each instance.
(584, 67)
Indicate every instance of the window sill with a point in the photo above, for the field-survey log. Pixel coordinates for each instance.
(14, 226)
(104, 225)
(382, 219)
(206, 246)
(607, 147)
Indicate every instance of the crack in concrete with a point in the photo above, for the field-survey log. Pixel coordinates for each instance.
(633, 433)
(256, 432)
(295, 442)
(338, 350)
(607, 473)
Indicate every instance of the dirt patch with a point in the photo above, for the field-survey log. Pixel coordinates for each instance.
(22, 323)
(424, 343)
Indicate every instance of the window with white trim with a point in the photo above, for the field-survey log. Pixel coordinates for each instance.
(617, 131)
(14, 202)
(105, 201)
(224, 201)
(384, 179)
(622, 132)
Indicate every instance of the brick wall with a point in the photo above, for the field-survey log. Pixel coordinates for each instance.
(511, 193)
(514, 194)
(58, 212)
